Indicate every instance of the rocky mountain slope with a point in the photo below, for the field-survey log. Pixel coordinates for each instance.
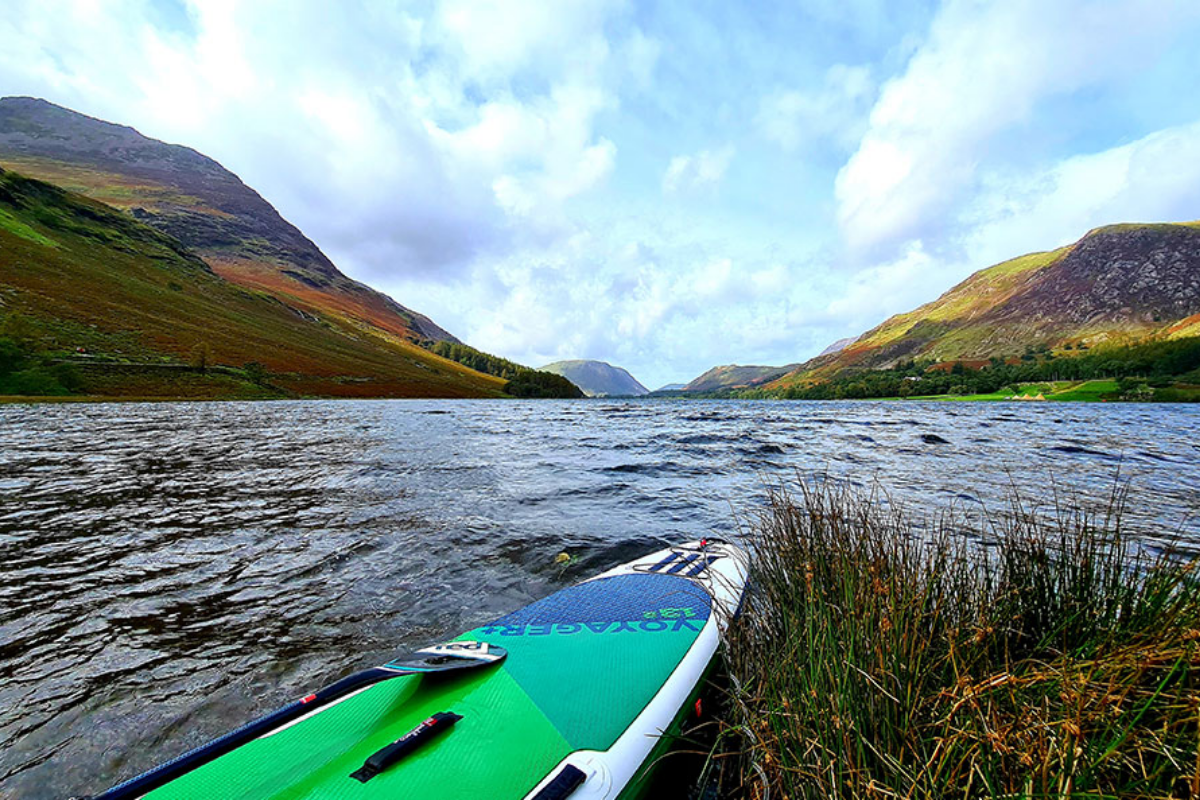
(734, 376)
(136, 312)
(839, 345)
(597, 378)
(205, 206)
(1119, 284)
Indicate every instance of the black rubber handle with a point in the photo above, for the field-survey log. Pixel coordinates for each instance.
(384, 758)
(564, 783)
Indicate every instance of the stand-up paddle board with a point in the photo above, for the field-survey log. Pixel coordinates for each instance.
(572, 697)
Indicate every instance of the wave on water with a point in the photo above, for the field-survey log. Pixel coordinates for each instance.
(1074, 449)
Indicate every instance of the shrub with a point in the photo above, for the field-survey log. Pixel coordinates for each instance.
(68, 377)
(12, 356)
(533, 383)
(32, 381)
(255, 372)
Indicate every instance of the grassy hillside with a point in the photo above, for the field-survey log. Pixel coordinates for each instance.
(140, 313)
(968, 301)
(1118, 285)
(205, 206)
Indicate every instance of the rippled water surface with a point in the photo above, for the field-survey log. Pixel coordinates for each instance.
(168, 571)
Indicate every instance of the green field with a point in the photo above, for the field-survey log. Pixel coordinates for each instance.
(1059, 391)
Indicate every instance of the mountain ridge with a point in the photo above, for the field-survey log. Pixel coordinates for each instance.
(598, 378)
(735, 376)
(1119, 284)
(193, 198)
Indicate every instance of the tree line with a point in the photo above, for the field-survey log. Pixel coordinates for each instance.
(521, 381)
(24, 370)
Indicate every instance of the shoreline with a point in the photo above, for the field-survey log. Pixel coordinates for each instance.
(16, 399)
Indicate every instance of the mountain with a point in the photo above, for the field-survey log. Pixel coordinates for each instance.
(138, 314)
(1119, 284)
(205, 206)
(670, 387)
(598, 379)
(838, 346)
(733, 376)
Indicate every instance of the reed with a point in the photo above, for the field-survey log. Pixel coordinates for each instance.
(1029, 653)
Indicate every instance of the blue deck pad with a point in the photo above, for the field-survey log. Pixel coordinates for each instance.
(621, 598)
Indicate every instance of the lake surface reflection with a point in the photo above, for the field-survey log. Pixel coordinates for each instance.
(168, 571)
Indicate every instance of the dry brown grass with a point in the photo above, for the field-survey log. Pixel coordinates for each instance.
(1030, 654)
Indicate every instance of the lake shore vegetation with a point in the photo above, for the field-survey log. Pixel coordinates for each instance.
(1028, 653)
(1158, 371)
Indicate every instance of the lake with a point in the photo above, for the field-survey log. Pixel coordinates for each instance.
(168, 571)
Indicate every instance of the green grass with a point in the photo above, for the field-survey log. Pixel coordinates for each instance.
(1088, 391)
(14, 226)
(1179, 393)
(1022, 654)
(1058, 391)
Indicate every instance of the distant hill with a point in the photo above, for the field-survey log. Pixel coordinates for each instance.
(598, 379)
(205, 206)
(733, 376)
(670, 387)
(137, 313)
(1120, 284)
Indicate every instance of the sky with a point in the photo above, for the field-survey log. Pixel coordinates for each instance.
(666, 186)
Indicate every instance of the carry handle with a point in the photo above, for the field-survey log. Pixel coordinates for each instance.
(565, 782)
(384, 758)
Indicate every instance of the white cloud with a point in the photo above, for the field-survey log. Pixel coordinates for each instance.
(377, 138)
(983, 70)
(1154, 179)
(834, 112)
(496, 38)
(695, 172)
(901, 284)
(640, 56)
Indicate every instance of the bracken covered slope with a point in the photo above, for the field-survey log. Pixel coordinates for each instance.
(1119, 284)
(203, 205)
(122, 299)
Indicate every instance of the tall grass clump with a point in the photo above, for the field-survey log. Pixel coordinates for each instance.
(1023, 654)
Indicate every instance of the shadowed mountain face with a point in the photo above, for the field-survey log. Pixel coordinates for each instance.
(598, 379)
(205, 206)
(1118, 284)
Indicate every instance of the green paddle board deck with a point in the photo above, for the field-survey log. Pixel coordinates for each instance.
(583, 664)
